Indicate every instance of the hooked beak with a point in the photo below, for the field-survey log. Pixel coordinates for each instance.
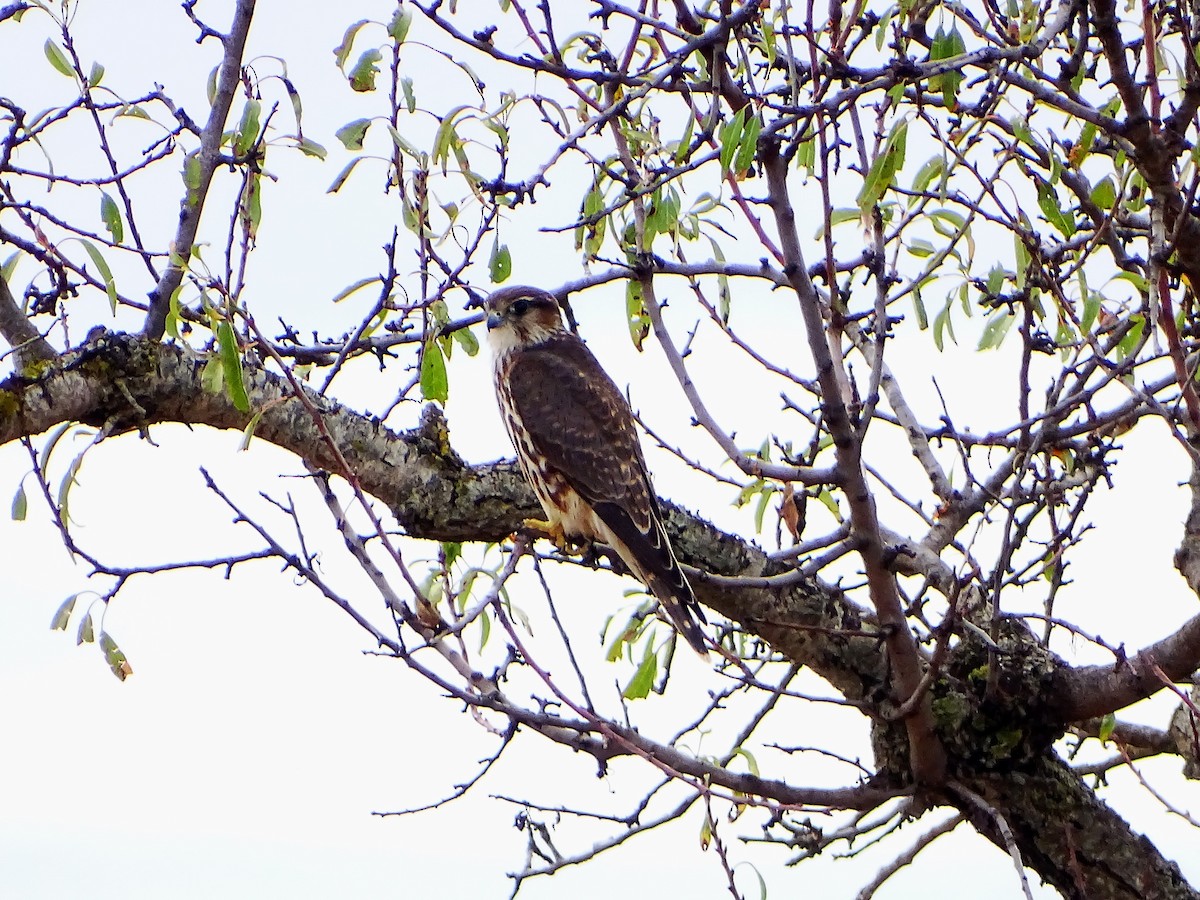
(493, 320)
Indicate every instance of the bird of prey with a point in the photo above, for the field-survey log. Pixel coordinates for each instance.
(578, 448)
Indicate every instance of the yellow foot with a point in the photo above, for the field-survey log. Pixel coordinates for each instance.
(551, 530)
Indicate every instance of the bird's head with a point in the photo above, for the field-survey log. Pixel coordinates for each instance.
(521, 316)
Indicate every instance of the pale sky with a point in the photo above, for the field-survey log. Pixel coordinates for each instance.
(247, 753)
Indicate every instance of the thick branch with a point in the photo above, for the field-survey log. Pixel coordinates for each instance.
(1097, 690)
(207, 158)
(928, 759)
(16, 328)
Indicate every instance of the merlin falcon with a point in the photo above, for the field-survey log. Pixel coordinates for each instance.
(578, 448)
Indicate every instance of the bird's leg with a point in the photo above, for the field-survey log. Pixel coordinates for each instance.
(549, 529)
(554, 531)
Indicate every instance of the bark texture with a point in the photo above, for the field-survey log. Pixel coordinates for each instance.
(999, 745)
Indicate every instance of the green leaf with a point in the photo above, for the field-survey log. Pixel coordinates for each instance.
(362, 76)
(231, 367)
(110, 286)
(751, 762)
(192, 177)
(467, 339)
(643, 679)
(919, 310)
(20, 503)
(1132, 338)
(114, 657)
(343, 175)
(10, 265)
(730, 137)
(1048, 203)
(884, 168)
(947, 45)
(435, 383)
(85, 633)
(247, 130)
(401, 22)
(996, 329)
(110, 214)
(410, 95)
(57, 58)
(920, 248)
(357, 286)
(500, 263)
(747, 146)
(684, 146)
(62, 615)
(352, 133)
(311, 148)
(342, 51)
(96, 75)
(69, 480)
(995, 279)
(1107, 725)
(1104, 194)
(1091, 309)
(942, 325)
(212, 376)
(935, 167)
(248, 431)
(635, 313)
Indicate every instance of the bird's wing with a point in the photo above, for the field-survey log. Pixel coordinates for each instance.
(581, 425)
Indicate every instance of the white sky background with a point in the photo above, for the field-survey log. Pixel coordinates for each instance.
(246, 754)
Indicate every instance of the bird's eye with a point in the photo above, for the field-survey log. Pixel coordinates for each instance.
(519, 307)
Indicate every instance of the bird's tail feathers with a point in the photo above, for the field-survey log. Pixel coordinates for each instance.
(681, 608)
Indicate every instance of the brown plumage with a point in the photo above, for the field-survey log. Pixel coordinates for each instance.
(578, 447)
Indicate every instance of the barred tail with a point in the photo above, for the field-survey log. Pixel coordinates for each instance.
(681, 607)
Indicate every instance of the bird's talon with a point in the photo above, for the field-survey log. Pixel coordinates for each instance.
(551, 530)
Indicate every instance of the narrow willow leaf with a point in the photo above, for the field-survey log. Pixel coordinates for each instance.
(110, 214)
(884, 168)
(247, 130)
(435, 383)
(1107, 725)
(343, 175)
(730, 137)
(248, 431)
(747, 146)
(96, 75)
(85, 633)
(401, 22)
(357, 286)
(342, 51)
(312, 148)
(62, 615)
(919, 311)
(352, 133)
(996, 330)
(643, 679)
(362, 76)
(57, 58)
(635, 313)
(1104, 194)
(500, 263)
(231, 367)
(110, 286)
(9, 266)
(1048, 204)
(69, 481)
(467, 339)
(20, 503)
(114, 657)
